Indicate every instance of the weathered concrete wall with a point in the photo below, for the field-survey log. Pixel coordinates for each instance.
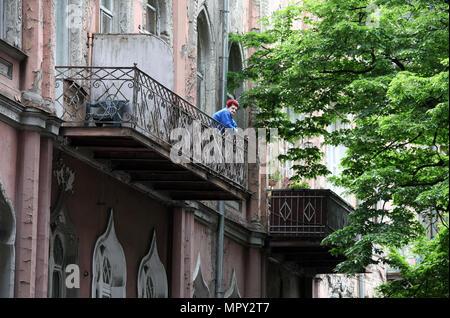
(151, 54)
(12, 15)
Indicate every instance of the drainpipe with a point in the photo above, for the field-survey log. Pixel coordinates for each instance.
(221, 225)
(361, 286)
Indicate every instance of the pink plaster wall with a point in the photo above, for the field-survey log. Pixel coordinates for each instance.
(235, 257)
(138, 14)
(135, 216)
(205, 244)
(48, 57)
(8, 159)
(180, 40)
(32, 43)
(26, 209)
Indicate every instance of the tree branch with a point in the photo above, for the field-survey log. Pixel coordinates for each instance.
(398, 63)
(437, 164)
(431, 183)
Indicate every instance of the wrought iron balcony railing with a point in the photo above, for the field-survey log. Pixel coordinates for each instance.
(128, 97)
(306, 213)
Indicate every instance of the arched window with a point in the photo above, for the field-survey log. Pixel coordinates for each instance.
(235, 87)
(103, 271)
(205, 65)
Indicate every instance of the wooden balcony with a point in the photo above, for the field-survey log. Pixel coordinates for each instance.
(299, 220)
(124, 119)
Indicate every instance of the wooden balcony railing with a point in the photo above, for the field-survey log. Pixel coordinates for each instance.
(306, 213)
(128, 97)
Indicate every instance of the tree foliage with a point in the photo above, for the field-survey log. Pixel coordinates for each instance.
(381, 68)
(428, 278)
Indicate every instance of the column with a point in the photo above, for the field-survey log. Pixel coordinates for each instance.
(43, 227)
(27, 194)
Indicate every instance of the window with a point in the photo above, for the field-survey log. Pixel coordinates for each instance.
(204, 80)
(62, 33)
(104, 276)
(106, 16)
(200, 74)
(152, 17)
(6, 68)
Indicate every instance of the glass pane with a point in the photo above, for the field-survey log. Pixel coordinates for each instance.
(58, 252)
(106, 21)
(106, 271)
(151, 20)
(56, 285)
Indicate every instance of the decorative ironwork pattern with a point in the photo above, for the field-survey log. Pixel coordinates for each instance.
(128, 97)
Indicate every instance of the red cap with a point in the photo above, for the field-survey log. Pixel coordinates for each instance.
(231, 102)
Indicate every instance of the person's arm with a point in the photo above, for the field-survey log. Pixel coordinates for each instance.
(228, 121)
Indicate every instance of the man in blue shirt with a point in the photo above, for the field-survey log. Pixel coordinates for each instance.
(224, 116)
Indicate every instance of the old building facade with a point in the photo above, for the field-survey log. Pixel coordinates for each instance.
(92, 203)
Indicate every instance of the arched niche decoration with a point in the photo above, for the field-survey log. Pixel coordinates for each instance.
(233, 291)
(109, 270)
(201, 289)
(152, 277)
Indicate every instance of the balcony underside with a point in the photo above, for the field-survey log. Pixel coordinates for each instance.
(148, 162)
(300, 219)
(308, 255)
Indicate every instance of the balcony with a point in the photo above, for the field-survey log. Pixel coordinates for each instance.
(299, 220)
(123, 118)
